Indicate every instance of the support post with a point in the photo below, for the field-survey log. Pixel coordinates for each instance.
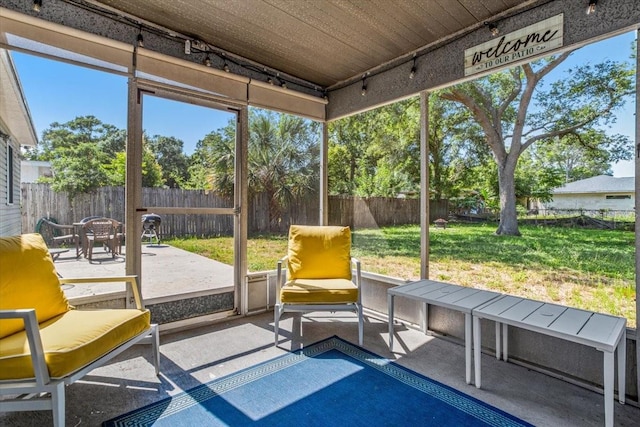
(133, 185)
(324, 176)
(637, 197)
(424, 185)
(241, 215)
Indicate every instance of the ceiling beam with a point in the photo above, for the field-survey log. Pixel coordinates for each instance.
(444, 66)
(119, 26)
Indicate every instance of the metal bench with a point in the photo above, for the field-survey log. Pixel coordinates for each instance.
(604, 332)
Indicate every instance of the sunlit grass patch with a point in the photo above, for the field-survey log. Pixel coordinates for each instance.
(584, 268)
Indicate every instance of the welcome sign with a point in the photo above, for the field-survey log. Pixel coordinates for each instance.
(527, 42)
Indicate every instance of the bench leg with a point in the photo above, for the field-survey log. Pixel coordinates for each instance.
(498, 341)
(608, 389)
(425, 318)
(622, 366)
(360, 325)
(390, 311)
(467, 346)
(505, 342)
(476, 349)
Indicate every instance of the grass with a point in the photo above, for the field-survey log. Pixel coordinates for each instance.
(584, 268)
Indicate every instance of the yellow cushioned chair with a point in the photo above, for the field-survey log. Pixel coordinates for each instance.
(319, 267)
(44, 342)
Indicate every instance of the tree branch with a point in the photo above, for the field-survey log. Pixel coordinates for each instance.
(514, 92)
(552, 64)
(481, 117)
(571, 129)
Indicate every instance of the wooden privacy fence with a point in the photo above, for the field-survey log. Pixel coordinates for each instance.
(359, 212)
(39, 200)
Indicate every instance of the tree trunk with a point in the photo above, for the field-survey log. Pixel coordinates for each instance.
(508, 214)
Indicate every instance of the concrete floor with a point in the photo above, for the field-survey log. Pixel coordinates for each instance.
(166, 272)
(194, 356)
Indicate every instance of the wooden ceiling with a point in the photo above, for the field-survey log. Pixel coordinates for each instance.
(325, 42)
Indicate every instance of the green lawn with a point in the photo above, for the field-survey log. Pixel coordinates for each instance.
(591, 269)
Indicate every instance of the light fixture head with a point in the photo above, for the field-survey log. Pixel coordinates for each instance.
(494, 29)
(363, 92)
(187, 47)
(412, 73)
(207, 61)
(269, 80)
(140, 40)
(37, 4)
(592, 7)
(225, 67)
(283, 85)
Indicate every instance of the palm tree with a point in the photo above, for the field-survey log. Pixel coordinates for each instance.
(283, 160)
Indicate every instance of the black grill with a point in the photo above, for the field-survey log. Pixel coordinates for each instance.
(150, 227)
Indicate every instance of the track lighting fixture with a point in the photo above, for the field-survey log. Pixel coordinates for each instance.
(225, 67)
(37, 4)
(269, 80)
(412, 74)
(280, 81)
(140, 39)
(493, 28)
(363, 92)
(207, 61)
(592, 7)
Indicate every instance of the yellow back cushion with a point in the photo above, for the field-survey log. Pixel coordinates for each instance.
(319, 252)
(28, 279)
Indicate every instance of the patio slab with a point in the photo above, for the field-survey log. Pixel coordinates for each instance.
(166, 272)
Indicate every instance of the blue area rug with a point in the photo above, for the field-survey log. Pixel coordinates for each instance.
(330, 383)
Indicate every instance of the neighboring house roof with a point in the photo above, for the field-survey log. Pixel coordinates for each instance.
(599, 184)
(14, 110)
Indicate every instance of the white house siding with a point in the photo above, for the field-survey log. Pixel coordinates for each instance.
(592, 202)
(16, 129)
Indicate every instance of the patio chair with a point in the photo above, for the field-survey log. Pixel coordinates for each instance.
(319, 265)
(103, 231)
(58, 235)
(45, 343)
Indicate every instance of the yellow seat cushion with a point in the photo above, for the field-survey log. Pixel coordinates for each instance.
(319, 252)
(319, 291)
(28, 279)
(72, 341)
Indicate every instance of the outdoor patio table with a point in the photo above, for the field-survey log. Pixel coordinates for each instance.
(603, 332)
(454, 297)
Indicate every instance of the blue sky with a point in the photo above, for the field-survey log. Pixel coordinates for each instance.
(59, 92)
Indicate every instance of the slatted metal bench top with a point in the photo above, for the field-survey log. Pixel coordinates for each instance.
(598, 330)
(455, 297)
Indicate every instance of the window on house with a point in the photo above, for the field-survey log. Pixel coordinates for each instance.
(618, 197)
(10, 162)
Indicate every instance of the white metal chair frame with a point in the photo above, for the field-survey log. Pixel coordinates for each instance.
(54, 387)
(281, 307)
